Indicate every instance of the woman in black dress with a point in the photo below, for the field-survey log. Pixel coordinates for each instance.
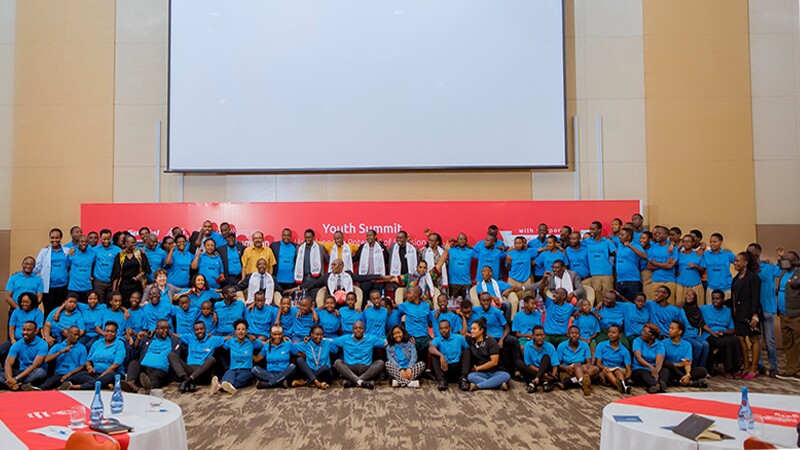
(129, 269)
(746, 305)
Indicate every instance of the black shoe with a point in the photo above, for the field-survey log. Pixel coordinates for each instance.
(531, 388)
(654, 388)
(698, 384)
(128, 386)
(443, 385)
(547, 387)
(463, 385)
(518, 377)
(192, 387)
(368, 385)
(347, 384)
(772, 374)
(762, 370)
(262, 385)
(144, 380)
(663, 386)
(184, 386)
(383, 376)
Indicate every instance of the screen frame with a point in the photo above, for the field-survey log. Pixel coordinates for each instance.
(322, 170)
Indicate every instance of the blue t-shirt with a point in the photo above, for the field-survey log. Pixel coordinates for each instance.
(196, 299)
(26, 353)
(588, 325)
(242, 352)
(330, 322)
(458, 265)
(628, 264)
(211, 268)
(451, 348)
(568, 355)
(227, 314)
(488, 257)
(104, 261)
(688, 276)
(211, 326)
(612, 316)
(662, 316)
(579, 260)
(65, 321)
(59, 269)
(286, 263)
(199, 351)
(348, 317)
(154, 313)
(19, 317)
(523, 322)
(556, 319)
(260, 320)
(520, 266)
(599, 254)
(277, 356)
(317, 355)
(660, 253)
(649, 352)
(19, 283)
(91, 316)
(501, 285)
(533, 356)
(635, 318)
(452, 318)
(138, 320)
(675, 353)
(117, 317)
(620, 357)
(717, 319)
(546, 259)
(178, 271)
(495, 320)
(80, 272)
(718, 269)
(184, 320)
(157, 259)
(690, 330)
(395, 318)
(234, 260)
(155, 353)
(417, 317)
(302, 326)
(768, 274)
(287, 320)
(375, 321)
(74, 358)
(103, 356)
(358, 352)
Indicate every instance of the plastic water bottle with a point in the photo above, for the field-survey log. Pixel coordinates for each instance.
(117, 402)
(97, 406)
(746, 421)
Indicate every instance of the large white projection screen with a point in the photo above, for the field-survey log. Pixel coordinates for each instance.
(322, 85)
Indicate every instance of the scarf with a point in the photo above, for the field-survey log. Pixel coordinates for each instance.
(376, 252)
(316, 262)
(343, 254)
(693, 315)
(431, 256)
(340, 282)
(411, 258)
(425, 282)
(255, 285)
(564, 282)
(496, 292)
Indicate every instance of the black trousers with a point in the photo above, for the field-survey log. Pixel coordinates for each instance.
(727, 347)
(86, 381)
(54, 381)
(530, 374)
(369, 286)
(54, 299)
(644, 378)
(157, 377)
(455, 371)
(199, 373)
(675, 374)
(103, 290)
(459, 290)
(322, 374)
(510, 353)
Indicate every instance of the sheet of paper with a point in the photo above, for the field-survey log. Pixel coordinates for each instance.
(54, 431)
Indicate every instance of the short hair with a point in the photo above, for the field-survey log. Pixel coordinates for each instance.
(697, 233)
(309, 230)
(755, 245)
(654, 330)
(113, 324)
(277, 328)
(568, 228)
(72, 295)
(718, 291)
(466, 303)
(159, 272)
(558, 261)
(239, 321)
(680, 324)
(574, 326)
(648, 234)
(597, 224)
(613, 325)
(35, 326)
(718, 236)
(74, 227)
(676, 230)
(537, 327)
(669, 291)
(314, 327)
(60, 233)
(105, 231)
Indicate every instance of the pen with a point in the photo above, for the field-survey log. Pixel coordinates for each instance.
(156, 410)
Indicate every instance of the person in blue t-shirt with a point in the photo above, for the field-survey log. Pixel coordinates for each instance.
(518, 261)
(587, 321)
(678, 359)
(277, 353)
(457, 323)
(105, 253)
(629, 253)
(768, 273)
(662, 259)
(575, 361)
(62, 318)
(151, 370)
(260, 317)
(179, 263)
(449, 357)
(401, 359)
(80, 261)
(718, 263)
(722, 338)
(497, 289)
(285, 252)
(648, 360)
(304, 319)
(69, 357)
(92, 312)
(314, 359)
(242, 352)
(600, 252)
(357, 366)
(375, 316)
(459, 261)
(23, 281)
(525, 320)
(662, 313)
(418, 317)
(329, 317)
(490, 255)
(208, 263)
(549, 254)
(28, 311)
(614, 361)
(691, 268)
(105, 360)
(28, 354)
(156, 256)
(185, 316)
(228, 311)
(348, 313)
(578, 255)
(539, 366)
(199, 363)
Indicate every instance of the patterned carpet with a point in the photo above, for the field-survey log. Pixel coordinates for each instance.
(411, 419)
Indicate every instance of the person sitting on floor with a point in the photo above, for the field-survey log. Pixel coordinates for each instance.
(242, 348)
(648, 361)
(28, 355)
(277, 353)
(575, 361)
(614, 361)
(539, 365)
(678, 359)
(401, 359)
(449, 357)
(487, 371)
(69, 356)
(197, 368)
(151, 370)
(314, 359)
(357, 367)
(104, 362)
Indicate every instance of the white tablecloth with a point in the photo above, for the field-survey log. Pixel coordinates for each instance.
(152, 430)
(649, 435)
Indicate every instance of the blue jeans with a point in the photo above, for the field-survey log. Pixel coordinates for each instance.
(489, 380)
(38, 375)
(700, 350)
(273, 378)
(768, 330)
(239, 378)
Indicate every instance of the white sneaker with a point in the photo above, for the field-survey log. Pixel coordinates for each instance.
(227, 387)
(413, 384)
(395, 383)
(215, 386)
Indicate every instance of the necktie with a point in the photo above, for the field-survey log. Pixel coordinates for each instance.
(263, 282)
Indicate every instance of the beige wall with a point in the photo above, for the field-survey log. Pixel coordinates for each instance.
(7, 38)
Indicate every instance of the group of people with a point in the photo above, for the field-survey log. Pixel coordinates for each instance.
(632, 306)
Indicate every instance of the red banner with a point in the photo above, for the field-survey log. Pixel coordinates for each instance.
(356, 218)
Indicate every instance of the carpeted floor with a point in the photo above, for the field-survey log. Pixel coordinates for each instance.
(411, 419)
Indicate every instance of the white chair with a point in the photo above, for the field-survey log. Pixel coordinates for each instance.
(511, 298)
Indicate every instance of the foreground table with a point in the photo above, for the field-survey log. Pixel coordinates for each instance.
(152, 430)
(781, 414)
